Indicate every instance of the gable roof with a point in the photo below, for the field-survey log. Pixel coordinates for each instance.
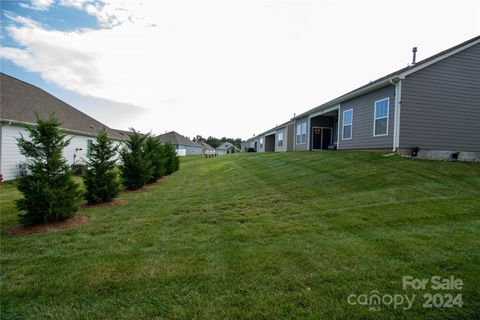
(21, 101)
(205, 145)
(394, 76)
(176, 138)
(226, 146)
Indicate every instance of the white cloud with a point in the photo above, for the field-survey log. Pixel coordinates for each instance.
(233, 69)
(40, 5)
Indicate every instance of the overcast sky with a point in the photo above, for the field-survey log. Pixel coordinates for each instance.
(221, 68)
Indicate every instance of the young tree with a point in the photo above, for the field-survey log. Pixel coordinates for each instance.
(172, 160)
(101, 179)
(136, 168)
(155, 152)
(49, 192)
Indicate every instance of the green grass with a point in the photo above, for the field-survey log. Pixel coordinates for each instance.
(256, 236)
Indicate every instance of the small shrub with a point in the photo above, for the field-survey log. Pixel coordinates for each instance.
(251, 150)
(136, 168)
(49, 192)
(101, 178)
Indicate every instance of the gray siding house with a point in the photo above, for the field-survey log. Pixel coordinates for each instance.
(433, 105)
(278, 139)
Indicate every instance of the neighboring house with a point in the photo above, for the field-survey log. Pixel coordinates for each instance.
(433, 104)
(19, 104)
(183, 145)
(206, 148)
(226, 148)
(278, 139)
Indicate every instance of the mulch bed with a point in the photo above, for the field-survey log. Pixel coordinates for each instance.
(55, 226)
(114, 202)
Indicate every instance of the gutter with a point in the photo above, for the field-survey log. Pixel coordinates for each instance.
(396, 114)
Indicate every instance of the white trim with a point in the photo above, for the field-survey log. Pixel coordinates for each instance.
(396, 120)
(343, 124)
(385, 117)
(394, 77)
(278, 139)
(320, 112)
(299, 125)
(446, 55)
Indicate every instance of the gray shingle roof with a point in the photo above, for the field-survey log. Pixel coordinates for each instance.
(206, 145)
(21, 101)
(176, 138)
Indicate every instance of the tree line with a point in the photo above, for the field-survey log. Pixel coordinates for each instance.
(216, 142)
(51, 194)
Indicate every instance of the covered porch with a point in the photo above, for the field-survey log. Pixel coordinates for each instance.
(324, 130)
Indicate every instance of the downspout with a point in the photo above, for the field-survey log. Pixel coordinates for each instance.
(396, 115)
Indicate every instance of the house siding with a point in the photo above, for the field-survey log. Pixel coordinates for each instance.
(189, 150)
(301, 146)
(11, 156)
(363, 119)
(290, 136)
(440, 104)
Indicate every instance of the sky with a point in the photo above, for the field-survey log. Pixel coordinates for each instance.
(220, 68)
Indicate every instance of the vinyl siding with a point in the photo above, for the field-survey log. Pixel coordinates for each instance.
(11, 156)
(363, 117)
(290, 136)
(190, 151)
(440, 104)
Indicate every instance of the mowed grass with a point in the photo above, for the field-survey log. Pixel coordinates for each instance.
(256, 236)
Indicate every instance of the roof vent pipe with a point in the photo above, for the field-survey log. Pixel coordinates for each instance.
(414, 50)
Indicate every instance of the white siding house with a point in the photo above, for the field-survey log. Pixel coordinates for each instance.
(20, 102)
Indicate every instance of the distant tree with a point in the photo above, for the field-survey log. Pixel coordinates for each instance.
(155, 152)
(101, 179)
(136, 168)
(215, 142)
(49, 192)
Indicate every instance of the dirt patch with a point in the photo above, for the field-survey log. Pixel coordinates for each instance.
(113, 203)
(55, 226)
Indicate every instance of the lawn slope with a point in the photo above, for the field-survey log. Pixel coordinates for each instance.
(256, 236)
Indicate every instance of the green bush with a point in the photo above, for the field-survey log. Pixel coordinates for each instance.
(135, 167)
(172, 160)
(155, 153)
(49, 192)
(101, 178)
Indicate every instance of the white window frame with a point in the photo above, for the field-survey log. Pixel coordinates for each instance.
(385, 117)
(343, 124)
(261, 143)
(280, 139)
(302, 137)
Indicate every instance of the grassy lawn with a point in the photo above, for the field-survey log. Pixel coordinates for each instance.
(257, 236)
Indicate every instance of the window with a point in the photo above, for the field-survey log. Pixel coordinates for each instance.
(261, 142)
(280, 139)
(347, 124)
(380, 122)
(89, 147)
(302, 133)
